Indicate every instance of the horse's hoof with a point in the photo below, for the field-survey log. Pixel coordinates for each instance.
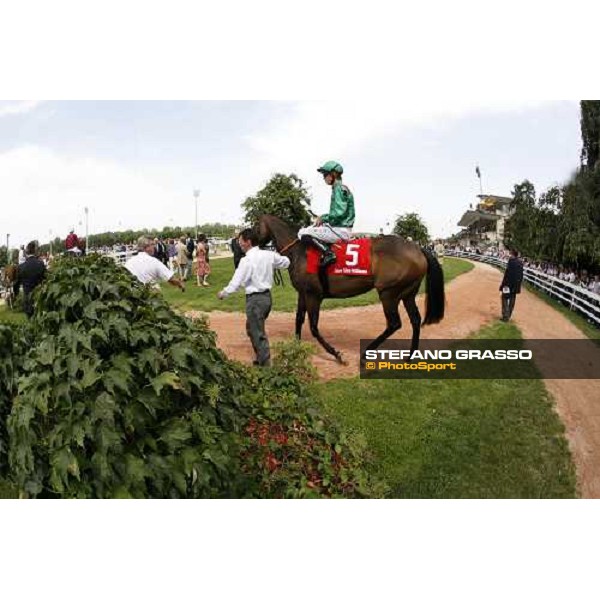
(340, 358)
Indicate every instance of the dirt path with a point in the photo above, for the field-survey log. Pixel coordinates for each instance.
(472, 302)
(577, 401)
(469, 306)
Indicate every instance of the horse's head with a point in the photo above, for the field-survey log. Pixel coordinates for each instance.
(264, 230)
(272, 228)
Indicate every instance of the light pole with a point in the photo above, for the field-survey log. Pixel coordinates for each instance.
(50, 233)
(86, 230)
(196, 196)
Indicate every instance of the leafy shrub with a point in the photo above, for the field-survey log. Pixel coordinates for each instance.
(118, 396)
(13, 342)
(291, 450)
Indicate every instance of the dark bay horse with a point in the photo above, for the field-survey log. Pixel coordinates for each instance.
(397, 267)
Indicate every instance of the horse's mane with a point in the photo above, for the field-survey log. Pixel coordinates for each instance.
(293, 228)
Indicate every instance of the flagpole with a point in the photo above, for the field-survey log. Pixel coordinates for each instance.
(478, 171)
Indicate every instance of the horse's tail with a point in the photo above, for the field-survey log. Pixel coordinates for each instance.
(435, 299)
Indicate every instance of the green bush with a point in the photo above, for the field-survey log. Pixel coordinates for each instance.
(13, 343)
(290, 449)
(118, 396)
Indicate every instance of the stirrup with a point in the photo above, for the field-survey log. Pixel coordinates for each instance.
(327, 258)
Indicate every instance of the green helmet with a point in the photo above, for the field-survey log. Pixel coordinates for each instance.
(331, 166)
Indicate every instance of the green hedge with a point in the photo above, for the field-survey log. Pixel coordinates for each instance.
(116, 395)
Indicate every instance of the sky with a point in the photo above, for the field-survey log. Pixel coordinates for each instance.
(135, 164)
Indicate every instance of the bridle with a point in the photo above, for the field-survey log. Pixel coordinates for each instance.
(289, 246)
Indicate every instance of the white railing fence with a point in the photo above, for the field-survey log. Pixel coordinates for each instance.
(575, 297)
(122, 257)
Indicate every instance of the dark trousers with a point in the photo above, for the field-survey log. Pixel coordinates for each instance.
(28, 304)
(508, 305)
(258, 307)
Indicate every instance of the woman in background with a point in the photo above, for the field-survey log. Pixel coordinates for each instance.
(182, 258)
(202, 265)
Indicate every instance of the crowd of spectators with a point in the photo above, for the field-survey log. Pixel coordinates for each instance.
(490, 251)
(579, 277)
(115, 248)
(185, 256)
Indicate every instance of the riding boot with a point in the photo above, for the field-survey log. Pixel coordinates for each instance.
(327, 254)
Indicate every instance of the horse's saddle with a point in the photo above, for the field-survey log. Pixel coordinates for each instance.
(353, 257)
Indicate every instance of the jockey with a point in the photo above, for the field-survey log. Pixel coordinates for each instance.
(337, 223)
(72, 240)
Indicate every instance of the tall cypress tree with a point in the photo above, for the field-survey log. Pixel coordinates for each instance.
(564, 225)
(590, 133)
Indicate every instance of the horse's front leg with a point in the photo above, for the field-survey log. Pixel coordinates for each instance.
(313, 306)
(300, 314)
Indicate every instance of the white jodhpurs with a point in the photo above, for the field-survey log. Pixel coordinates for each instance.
(327, 234)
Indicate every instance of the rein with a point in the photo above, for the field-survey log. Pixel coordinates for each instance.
(288, 246)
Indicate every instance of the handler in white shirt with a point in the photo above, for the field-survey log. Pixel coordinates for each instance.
(255, 274)
(148, 269)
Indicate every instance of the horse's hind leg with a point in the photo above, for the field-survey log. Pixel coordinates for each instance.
(313, 306)
(414, 315)
(300, 314)
(390, 299)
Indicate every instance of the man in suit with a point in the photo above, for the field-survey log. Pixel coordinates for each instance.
(29, 275)
(511, 284)
(160, 251)
(190, 246)
(236, 249)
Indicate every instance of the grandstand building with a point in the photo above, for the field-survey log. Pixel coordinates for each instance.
(484, 225)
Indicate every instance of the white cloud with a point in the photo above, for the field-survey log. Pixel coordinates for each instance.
(317, 129)
(44, 191)
(17, 108)
(313, 132)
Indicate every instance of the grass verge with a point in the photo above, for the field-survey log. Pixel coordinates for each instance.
(458, 439)
(578, 320)
(11, 316)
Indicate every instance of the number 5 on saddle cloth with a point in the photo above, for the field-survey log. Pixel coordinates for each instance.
(353, 257)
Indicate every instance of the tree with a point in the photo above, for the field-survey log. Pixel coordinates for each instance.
(580, 220)
(109, 238)
(563, 225)
(549, 238)
(519, 231)
(580, 213)
(283, 196)
(411, 225)
(590, 133)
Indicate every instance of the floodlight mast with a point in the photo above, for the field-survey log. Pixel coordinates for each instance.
(196, 196)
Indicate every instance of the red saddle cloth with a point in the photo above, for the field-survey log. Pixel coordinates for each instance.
(353, 258)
